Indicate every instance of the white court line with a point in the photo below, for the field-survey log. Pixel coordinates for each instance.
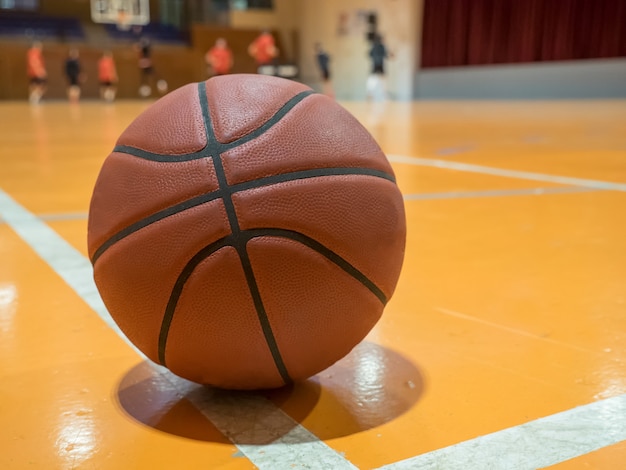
(533, 445)
(516, 331)
(60, 217)
(64, 216)
(496, 193)
(451, 165)
(240, 417)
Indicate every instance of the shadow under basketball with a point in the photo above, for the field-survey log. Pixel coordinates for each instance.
(369, 387)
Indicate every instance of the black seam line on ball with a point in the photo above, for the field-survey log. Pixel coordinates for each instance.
(238, 239)
(247, 235)
(177, 290)
(262, 315)
(160, 157)
(323, 250)
(179, 285)
(217, 163)
(214, 146)
(306, 174)
(162, 214)
(267, 181)
(288, 106)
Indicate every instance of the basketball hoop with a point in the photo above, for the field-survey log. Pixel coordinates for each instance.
(123, 20)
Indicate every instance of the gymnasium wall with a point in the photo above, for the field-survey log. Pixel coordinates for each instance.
(398, 20)
(597, 78)
(298, 25)
(80, 9)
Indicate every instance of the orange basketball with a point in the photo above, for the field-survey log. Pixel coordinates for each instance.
(246, 232)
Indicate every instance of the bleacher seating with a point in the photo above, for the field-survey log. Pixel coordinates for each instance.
(155, 31)
(41, 27)
(36, 26)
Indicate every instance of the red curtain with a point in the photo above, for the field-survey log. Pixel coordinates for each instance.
(479, 32)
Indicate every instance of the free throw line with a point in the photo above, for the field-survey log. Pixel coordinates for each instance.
(289, 444)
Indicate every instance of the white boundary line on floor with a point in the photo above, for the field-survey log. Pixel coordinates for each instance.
(282, 442)
(516, 331)
(496, 193)
(536, 444)
(487, 170)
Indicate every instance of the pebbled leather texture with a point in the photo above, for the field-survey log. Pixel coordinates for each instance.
(316, 133)
(129, 189)
(351, 214)
(245, 233)
(251, 100)
(173, 125)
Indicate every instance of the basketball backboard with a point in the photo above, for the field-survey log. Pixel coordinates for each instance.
(121, 12)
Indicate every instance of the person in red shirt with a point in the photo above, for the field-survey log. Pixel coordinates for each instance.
(219, 58)
(36, 71)
(263, 49)
(107, 76)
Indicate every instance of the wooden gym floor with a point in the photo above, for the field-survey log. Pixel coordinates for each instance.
(504, 346)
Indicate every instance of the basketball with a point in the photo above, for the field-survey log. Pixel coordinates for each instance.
(246, 232)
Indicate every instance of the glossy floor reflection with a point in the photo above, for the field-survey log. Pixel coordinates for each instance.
(509, 313)
(371, 386)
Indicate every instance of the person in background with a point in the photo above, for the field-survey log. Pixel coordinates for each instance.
(219, 58)
(376, 84)
(107, 76)
(323, 62)
(73, 75)
(263, 49)
(146, 70)
(36, 71)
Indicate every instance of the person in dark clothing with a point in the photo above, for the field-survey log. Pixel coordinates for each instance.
(323, 62)
(378, 54)
(146, 69)
(376, 86)
(73, 75)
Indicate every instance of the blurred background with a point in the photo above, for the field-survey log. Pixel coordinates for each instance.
(505, 124)
(438, 48)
